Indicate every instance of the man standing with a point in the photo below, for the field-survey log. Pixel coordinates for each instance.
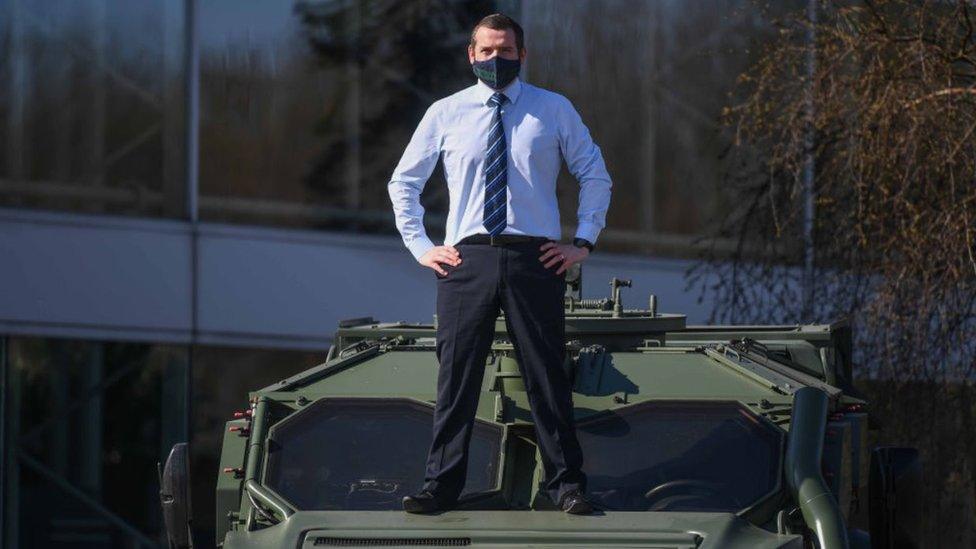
(501, 141)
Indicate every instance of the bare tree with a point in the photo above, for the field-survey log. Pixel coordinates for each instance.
(876, 100)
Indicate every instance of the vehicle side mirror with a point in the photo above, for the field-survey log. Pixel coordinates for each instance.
(174, 497)
(895, 495)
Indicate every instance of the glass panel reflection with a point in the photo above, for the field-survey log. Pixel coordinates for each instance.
(92, 111)
(650, 79)
(679, 456)
(86, 423)
(307, 106)
(358, 454)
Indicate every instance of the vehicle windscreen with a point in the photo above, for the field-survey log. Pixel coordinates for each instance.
(679, 456)
(365, 454)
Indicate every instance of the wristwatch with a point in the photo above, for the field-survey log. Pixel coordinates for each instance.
(583, 243)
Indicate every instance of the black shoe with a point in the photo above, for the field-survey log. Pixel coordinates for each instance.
(425, 502)
(574, 503)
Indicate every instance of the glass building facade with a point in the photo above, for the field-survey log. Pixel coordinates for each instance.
(305, 106)
(149, 149)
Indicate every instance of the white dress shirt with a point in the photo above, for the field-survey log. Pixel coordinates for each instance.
(540, 126)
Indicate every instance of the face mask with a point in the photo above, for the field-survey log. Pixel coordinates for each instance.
(497, 72)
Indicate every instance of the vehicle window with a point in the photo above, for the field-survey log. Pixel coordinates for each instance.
(365, 454)
(679, 456)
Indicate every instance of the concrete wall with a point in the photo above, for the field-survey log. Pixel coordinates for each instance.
(115, 278)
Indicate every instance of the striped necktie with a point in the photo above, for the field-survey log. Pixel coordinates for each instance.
(496, 173)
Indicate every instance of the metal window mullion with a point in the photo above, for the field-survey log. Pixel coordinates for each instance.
(192, 97)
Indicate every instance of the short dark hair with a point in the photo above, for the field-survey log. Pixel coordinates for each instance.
(500, 21)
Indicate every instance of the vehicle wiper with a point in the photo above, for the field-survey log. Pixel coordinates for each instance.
(760, 354)
(770, 373)
(747, 344)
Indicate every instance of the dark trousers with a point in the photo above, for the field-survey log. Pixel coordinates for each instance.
(509, 276)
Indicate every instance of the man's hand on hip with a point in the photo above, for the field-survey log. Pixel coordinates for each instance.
(440, 254)
(564, 255)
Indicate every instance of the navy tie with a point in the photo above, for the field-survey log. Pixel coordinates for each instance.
(496, 171)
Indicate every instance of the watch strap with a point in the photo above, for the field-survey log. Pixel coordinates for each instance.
(583, 243)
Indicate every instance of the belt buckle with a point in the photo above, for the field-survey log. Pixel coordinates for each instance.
(493, 242)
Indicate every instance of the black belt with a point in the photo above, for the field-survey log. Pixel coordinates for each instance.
(500, 239)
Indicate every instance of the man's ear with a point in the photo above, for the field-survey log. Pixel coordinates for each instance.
(470, 54)
(522, 55)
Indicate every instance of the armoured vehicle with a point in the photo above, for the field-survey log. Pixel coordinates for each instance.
(693, 437)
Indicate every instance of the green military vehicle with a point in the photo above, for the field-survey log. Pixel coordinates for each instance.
(693, 437)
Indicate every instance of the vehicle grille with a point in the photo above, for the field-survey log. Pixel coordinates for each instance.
(392, 542)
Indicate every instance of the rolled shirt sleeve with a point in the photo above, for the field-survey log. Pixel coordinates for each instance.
(585, 162)
(409, 178)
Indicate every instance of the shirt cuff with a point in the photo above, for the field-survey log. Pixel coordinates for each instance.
(419, 246)
(588, 231)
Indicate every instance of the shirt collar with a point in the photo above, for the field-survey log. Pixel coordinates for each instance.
(512, 91)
